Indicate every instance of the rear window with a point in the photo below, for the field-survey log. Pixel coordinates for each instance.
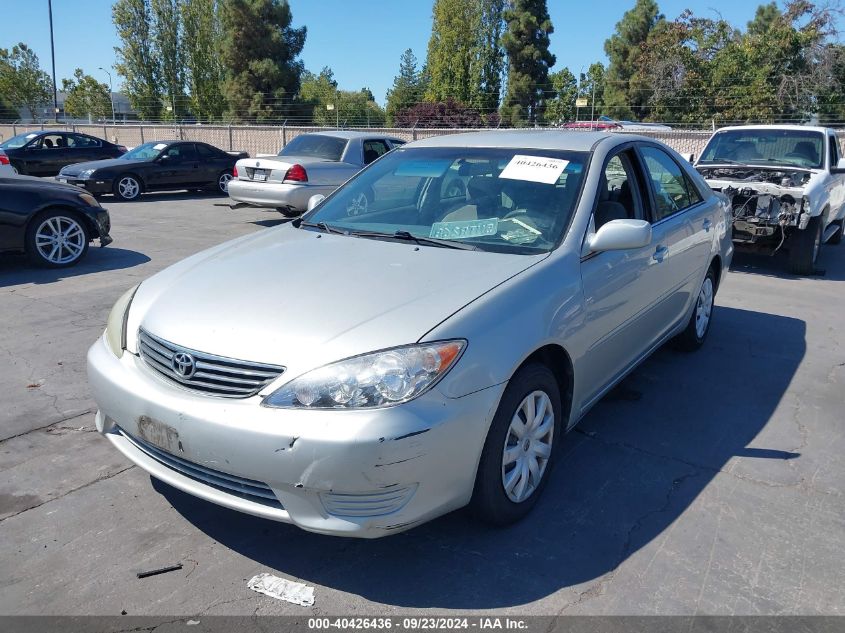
(315, 145)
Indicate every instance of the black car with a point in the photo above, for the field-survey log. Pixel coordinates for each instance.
(51, 222)
(45, 153)
(156, 166)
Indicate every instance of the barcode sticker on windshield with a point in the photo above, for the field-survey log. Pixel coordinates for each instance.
(534, 169)
(160, 146)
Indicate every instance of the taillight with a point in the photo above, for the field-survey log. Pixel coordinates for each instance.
(122, 149)
(297, 174)
(235, 171)
(4, 160)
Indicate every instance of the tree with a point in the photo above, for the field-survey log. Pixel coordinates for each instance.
(201, 34)
(625, 95)
(560, 105)
(259, 50)
(765, 16)
(167, 37)
(451, 50)
(86, 97)
(443, 114)
(489, 57)
(137, 58)
(22, 82)
(348, 108)
(406, 90)
(526, 42)
(591, 86)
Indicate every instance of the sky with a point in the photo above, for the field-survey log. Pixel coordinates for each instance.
(360, 40)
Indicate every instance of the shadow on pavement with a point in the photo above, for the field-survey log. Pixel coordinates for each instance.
(15, 268)
(830, 265)
(631, 468)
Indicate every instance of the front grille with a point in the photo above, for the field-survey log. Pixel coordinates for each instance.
(249, 489)
(211, 375)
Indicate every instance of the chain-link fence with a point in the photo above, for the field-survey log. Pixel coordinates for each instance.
(258, 139)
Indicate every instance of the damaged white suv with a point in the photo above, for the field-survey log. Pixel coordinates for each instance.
(786, 184)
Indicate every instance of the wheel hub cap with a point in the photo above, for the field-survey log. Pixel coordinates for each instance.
(528, 446)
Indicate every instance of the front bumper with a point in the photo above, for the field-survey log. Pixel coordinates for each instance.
(275, 194)
(92, 185)
(351, 473)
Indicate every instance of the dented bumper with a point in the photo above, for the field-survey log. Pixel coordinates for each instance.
(364, 473)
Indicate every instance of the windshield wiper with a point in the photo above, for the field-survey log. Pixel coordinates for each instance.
(720, 161)
(325, 228)
(410, 237)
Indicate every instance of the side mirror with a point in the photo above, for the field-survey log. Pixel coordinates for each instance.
(314, 200)
(840, 167)
(620, 235)
(164, 159)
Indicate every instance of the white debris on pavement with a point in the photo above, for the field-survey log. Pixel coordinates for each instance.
(282, 589)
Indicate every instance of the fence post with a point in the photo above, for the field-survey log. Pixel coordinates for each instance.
(105, 133)
(14, 130)
(414, 132)
(284, 133)
(141, 128)
(230, 138)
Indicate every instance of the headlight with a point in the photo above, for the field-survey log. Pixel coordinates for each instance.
(379, 379)
(88, 199)
(86, 174)
(116, 324)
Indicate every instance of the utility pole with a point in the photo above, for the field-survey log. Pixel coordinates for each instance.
(111, 97)
(53, 55)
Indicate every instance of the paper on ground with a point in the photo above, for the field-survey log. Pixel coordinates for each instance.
(276, 587)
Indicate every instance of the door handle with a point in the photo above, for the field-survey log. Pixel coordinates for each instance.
(707, 224)
(660, 253)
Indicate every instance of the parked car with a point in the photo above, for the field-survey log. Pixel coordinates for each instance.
(310, 164)
(52, 223)
(156, 166)
(6, 168)
(45, 153)
(786, 184)
(434, 349)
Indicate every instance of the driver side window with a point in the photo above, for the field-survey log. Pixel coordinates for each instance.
(618, 194)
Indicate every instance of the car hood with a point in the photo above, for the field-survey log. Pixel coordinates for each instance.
(301, 299)
(118, 163)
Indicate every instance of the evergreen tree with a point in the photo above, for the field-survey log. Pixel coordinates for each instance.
(451, 50)
(167, 36)
(406, 90)
(137, 59)
(259, 50)
(560, 106)
(526, 42)
(625, 96)
(489, 57)
(201, 35)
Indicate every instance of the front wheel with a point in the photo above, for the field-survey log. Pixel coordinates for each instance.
(519, 449)
(127, 187)
(56, 239)
(804, 247)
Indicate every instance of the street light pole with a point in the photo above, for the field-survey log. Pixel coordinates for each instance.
(53, 55)
(111, 97)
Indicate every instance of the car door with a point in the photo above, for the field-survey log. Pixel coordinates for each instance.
(178, 166)
(46, 156)
(620, 287)
(212, 162)
(83, 148)
(682, 226)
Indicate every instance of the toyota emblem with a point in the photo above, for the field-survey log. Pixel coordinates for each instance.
(183, 364)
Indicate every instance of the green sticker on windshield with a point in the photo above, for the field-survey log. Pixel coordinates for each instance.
(464, 229)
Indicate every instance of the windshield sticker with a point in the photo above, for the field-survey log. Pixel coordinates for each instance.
(423, 168)
(464, 229)
(520, 236)
(160, 146)
(534, 169)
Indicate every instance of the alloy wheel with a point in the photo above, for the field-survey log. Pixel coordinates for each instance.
(528, 446)
(223, 182)
(128, 188)
(704, 307)
(60, 240)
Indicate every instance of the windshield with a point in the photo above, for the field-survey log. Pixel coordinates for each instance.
(316, 145)
(147, 151)
(795, 148)
(506, 200)
(18, 141)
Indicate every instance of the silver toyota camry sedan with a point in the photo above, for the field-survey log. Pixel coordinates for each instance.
(359, 374)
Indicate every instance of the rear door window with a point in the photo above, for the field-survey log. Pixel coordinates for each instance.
(373, 150)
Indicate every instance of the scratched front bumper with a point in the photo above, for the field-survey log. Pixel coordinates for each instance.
(430, 447)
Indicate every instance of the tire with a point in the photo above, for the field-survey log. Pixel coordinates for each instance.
(16, 167)
(127, 187)
(804, 247)
(56, 239)
(837, 237)
(223, 179)
(492, 500)
(692, 338)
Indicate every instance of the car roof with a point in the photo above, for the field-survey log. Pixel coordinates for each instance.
(347, 134)
(801, 128)
(572, 140)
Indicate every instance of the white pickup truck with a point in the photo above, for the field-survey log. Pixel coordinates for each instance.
(786, 184)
